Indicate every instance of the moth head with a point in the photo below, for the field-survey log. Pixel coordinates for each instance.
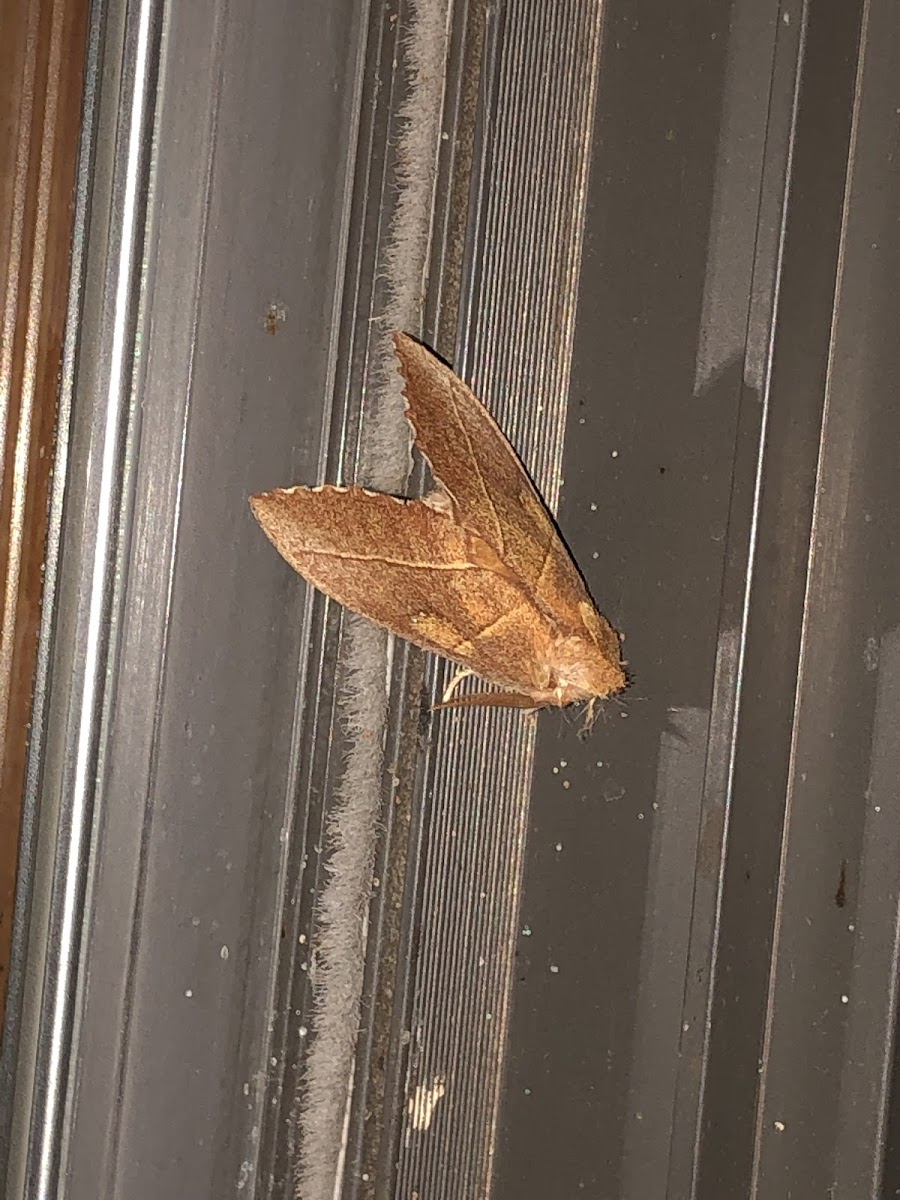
(585, 671)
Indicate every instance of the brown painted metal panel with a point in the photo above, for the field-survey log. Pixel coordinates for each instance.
(41, 75)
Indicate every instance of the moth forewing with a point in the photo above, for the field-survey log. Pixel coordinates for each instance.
(490, 490)
(410, 568)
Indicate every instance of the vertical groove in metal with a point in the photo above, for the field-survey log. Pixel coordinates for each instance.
(517, 355)
(70, 783)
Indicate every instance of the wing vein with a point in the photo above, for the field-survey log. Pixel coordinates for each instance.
(384, 561)
(548, 555)
(477, 469)
(502, 619)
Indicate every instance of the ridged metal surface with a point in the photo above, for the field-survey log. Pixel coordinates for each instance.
(540, 71)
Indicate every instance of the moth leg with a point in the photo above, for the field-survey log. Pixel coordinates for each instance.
(493, 700)
(461, 674)
(590, 716)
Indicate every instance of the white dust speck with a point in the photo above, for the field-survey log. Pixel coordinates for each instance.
(870, 654)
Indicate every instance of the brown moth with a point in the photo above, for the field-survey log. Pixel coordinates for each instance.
(476, 571)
